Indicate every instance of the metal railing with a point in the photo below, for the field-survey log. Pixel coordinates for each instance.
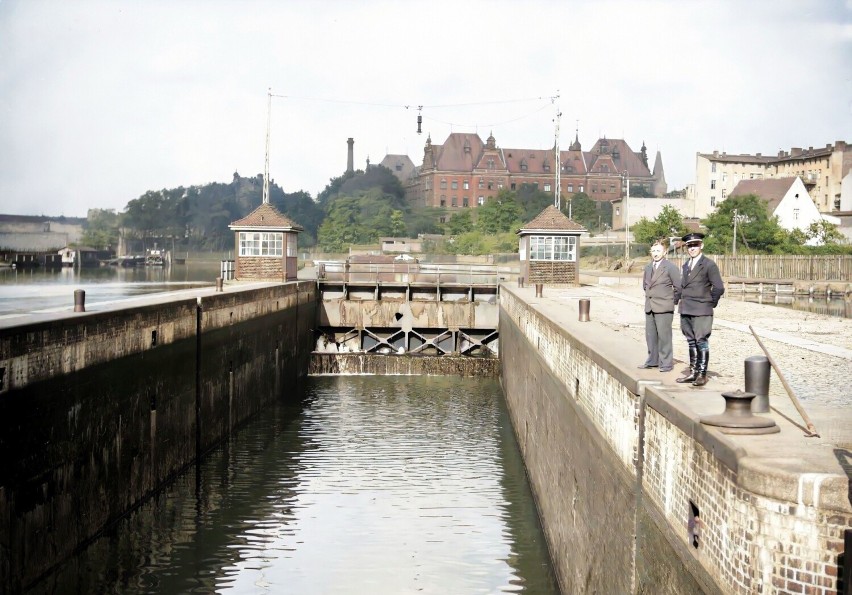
(411, 273)
(792, 267)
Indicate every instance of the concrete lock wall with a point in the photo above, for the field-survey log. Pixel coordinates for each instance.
(620, 475)
(102, 408)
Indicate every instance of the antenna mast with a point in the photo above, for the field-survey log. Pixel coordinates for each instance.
(266, 169)
(557, 194)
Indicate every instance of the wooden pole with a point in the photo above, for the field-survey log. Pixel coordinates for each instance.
(808, 422)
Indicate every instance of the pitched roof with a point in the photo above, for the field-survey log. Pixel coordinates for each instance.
(460, 152)
(552, 219)
(266, 216)
(618, 156)
(772, 190)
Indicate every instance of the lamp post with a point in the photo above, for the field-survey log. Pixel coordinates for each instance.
(626, 216)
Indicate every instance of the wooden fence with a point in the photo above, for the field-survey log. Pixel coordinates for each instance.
(773, 266)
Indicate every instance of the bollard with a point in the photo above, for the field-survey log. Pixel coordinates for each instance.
(738, 418)
(539, 290)
(520, 281)
(757, 371)
(79, 300)
(584, 310)
(218, 283)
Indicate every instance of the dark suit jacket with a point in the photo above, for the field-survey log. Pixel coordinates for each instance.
(701, 288)
(662, 287)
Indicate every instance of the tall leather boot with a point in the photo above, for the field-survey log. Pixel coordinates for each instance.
(701, 372)
(693, 363)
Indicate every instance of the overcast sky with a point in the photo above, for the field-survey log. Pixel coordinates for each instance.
(104, 100)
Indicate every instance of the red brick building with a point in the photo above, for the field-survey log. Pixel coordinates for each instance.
(464, 172)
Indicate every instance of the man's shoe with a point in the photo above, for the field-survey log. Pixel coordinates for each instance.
(684, 379)
(647, 365)
(666, 369)
(700, 381)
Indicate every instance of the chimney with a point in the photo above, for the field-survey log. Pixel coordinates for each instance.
(350, 158)
(758, 155)
(795, 151)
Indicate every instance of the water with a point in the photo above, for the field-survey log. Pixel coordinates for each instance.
(42, 290)
(833, 306)
(369, 484)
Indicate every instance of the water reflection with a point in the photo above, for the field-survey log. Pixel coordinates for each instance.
(834, 306)
(37, 290)
(368, 485)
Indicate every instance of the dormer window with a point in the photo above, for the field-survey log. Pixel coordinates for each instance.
(523, 165)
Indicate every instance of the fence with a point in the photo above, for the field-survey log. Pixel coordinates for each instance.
(774, 266)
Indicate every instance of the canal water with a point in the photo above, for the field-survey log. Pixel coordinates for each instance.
(52, 290)
(363, 484)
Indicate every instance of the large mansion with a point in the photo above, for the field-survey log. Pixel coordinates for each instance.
(465, 172)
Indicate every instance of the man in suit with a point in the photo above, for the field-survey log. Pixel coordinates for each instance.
(701, 288)
(661, 282)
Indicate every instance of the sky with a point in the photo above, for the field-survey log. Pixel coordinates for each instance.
(102, 101)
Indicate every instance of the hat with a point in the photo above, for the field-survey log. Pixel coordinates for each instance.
(692, 238)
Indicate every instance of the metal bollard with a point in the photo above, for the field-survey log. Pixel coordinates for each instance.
(738, 418)
(219, 283)
(584, 309)
(757, 371)
(79, 300)
(539, 290)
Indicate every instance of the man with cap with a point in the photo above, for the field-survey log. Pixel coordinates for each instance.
(661, 282)
(701, 288)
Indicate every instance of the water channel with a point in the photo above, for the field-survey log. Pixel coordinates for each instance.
(362, 484)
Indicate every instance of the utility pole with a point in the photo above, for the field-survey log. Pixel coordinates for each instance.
(626, 217)
(557, 194)
(735, 233)
(266, 169)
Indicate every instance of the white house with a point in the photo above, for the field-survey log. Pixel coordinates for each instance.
(787, 198)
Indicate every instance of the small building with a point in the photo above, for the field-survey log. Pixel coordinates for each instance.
(401, 245)
(549, 248)
(787, 199)
(266, 245)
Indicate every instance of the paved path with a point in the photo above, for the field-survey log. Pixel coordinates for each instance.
(814, 351)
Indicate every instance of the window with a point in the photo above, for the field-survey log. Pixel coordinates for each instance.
(571, 187)
(443, 184)
(255, 243)
(618, 210)
(605, 168)
(455, 185)
(581, 187)
(490, 164)
(466, 185)
(594, 188)
(553, 248)
(514, 186)
(443, 201)
(465, 202)
(398, 167)
(480, 201)
(481, 183)
(491, 185)
(713, 167)
(712, 184)
(455, 201)
(724, 176)
(612, 187)
(724, 194)
(500, 185)
(712, 201)
(795, 214)
(547, 187)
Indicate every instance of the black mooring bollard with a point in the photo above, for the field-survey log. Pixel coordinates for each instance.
(539, 290)
(757, 371)
(79, 300)
(218, 283)
(585, 304)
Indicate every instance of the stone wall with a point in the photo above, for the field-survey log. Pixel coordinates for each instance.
(101, 409)
(636, 495)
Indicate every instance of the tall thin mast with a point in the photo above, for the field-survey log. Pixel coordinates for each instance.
(266, 169)
(557, 194)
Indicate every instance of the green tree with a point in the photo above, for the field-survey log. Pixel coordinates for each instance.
(824, 233)
(459, 223)
(499, 214)
(757, 231)
(585, 211)
(668, 223)
(101, 229)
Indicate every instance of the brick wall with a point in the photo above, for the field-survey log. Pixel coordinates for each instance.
(618, 477)
(257, 267)
(554, 272)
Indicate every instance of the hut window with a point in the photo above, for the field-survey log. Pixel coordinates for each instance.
(255, 243)
(562, 248)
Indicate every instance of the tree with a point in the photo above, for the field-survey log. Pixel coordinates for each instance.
(757, 231)
(585, 211)
(459, 223)
(824, 233)
(499, 214)
(101, 230)
(668, 223)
